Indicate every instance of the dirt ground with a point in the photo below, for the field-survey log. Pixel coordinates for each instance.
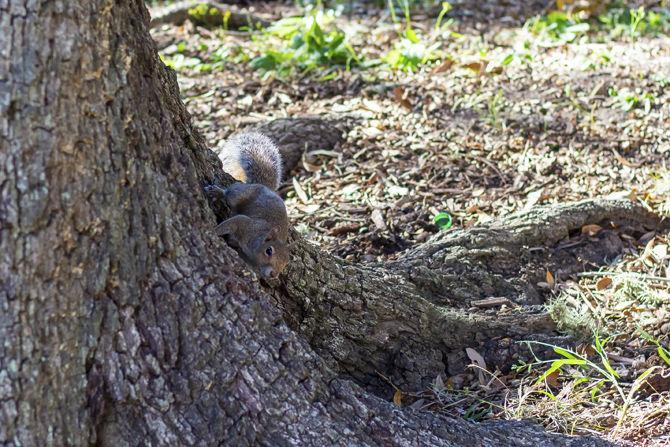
(467, 135)
(474, 145)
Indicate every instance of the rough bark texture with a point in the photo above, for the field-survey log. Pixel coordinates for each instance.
(125, 321)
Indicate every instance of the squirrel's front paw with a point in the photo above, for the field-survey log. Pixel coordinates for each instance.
(216, 196)
(214, 192)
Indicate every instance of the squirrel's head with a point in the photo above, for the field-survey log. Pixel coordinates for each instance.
(272, 256)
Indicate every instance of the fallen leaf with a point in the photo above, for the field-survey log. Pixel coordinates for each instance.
(399, 96)
(649, 250)
(552, 379)
(398, 191)
(300, 192)
(372, 106)
(478, 360)
(532, 199)
(418, 404)
(310, 209)
(344, 228)
(444, 66)
(438, 384)
(591, 229)
(494, 70)
(378, 219)
(550, 279)
(603, 283)
(372, 131)
(476, 66)
(660, 252)
(586, 349)
(397, 398)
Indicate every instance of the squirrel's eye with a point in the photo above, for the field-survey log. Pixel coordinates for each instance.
(269, 251)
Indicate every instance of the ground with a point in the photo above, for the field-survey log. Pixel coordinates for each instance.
(510, 109)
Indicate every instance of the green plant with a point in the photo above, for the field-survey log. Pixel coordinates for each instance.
(557, 27)
(180, 62)
(584, 367)
(620, 20)
(629, 100)
(203, 14)
(494, 104)
(411, 52)
(303, 43)
(660, 350)
(413, 49)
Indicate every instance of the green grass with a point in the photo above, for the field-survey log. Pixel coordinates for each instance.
(618, 21)
(635, 22)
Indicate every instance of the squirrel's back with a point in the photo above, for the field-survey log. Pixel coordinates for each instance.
(251, 157)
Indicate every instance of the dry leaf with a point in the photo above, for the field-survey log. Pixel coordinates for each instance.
(397, 398)
(349, 227)
(550, 279)
(649, 249)
(660, 252)
(310, 209)
(378, 219)
(478, 360)
(444, 66)
(438, 384)
(300, 192)
(533, 198)
(603, 283)
(372, 106)
(399, 96)
(591, 229)
(552, 379)
(418, 404)
(476, 66)
(586, 349)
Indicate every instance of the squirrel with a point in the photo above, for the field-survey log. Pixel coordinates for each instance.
(258, 226)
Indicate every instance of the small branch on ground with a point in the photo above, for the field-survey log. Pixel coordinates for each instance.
(207, 14)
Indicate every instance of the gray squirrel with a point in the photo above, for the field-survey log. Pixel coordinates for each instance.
(258, 226)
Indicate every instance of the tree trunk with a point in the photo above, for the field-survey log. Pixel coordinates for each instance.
(125, 321)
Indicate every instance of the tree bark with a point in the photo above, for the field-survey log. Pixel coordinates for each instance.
(125, 321)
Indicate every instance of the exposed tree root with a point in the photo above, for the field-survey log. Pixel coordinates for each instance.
(411, 319)
(127, 321)
(217, 14)
(301, 136)
(408, 319)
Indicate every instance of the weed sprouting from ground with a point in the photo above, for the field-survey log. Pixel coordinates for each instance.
(304, 44)
(414, 49)
(618, 21)
(621, 372)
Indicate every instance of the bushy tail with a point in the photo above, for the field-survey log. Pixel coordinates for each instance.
(252, 157)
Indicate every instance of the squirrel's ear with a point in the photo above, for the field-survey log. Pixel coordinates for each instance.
(271, 234)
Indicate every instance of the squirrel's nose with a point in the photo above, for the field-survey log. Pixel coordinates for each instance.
(273, 274)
